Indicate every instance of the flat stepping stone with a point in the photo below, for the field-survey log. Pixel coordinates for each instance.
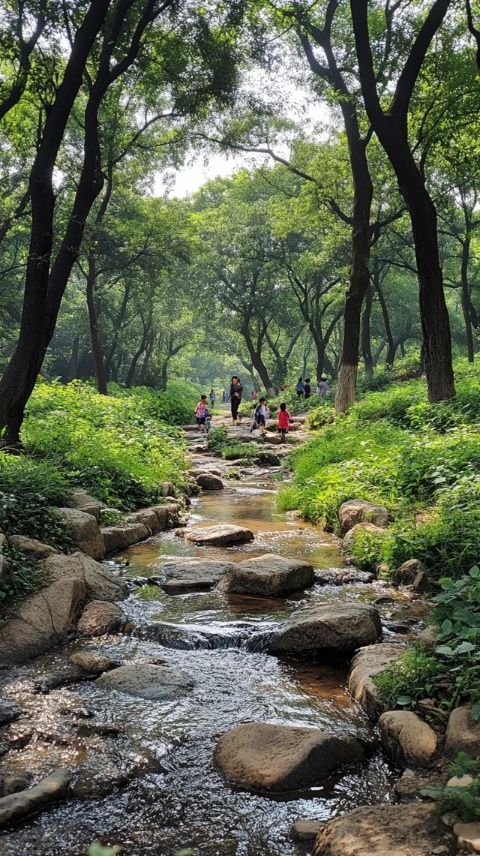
(223, 535)
(340, 627)
(156, 683)
(186, 575)
(280, 758)
(268, 576)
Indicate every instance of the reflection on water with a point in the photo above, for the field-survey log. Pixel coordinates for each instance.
(187, 803)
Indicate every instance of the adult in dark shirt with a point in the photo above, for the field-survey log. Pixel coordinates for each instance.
(236, 390)
(308, 388)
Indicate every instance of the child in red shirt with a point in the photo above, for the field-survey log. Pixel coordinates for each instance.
(284, 420)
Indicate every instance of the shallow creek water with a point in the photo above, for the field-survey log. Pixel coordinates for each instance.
(185, 802)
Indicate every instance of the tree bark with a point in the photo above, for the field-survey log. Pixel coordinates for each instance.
(366, 336)
(97, 350)
(257, 361)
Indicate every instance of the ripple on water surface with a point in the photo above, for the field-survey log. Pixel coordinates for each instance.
(188, 804)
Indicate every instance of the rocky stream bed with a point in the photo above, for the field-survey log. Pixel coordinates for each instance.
(229, 721)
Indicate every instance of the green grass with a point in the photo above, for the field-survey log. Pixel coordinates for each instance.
(421, 461)
(117, 447)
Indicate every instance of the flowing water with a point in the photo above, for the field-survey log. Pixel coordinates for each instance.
(180, 800)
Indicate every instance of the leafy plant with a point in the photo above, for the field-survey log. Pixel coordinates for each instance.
(408, 679)
(462, 799)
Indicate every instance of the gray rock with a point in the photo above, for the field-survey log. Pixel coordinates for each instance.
(92, 663)
(157, 683)
(9, 711)
(307, 830)
(221, 535)
(407, 738)
(463, 733)
(427, 639)
(343, 576)
(31, 545)
(341, 627)
(366, 664)
(49, 790)
(84, 502)
(121, 536)
(407, 571)
(100, 582)
(100, 617)
(208, 481)
(268, 576)
(84, 531)
(359, 511)
(279, 757)
(184, 575)
(14, 783)
(42, 621)
(386, 830)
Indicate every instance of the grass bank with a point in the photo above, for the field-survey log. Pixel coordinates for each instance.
(421, 461)
(120, 448)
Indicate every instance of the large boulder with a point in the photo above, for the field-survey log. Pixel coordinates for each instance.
(156, 683)
(360, 511)
(463, 733)
(91, 662)
(100, 617)
(268, 576)
(184, 575)
(357, 531)
(84, 502)
(386, 830)
(16, 806)
(407, 737)
(280, 758)
(84, 531)
(209, 481)
(221, 535)
(123, 535)
(340, 627)
(42, 621)
(407, 572)
(101, 583)
(366, 664)
(32, 546)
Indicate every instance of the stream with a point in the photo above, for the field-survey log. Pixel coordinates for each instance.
(178, 799)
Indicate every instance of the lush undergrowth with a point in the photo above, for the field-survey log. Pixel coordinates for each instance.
(449, 673)
(421, 461)
(117, 447)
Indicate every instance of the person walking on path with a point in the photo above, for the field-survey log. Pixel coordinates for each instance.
(236, 390)
(300, 387)
(307, 388)
(213, 397)
(260, 416)
(201, 413)
(284, 420)
(323, 387)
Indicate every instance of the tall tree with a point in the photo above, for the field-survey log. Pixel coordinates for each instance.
(391, 127)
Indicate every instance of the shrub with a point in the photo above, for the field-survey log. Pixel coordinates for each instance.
(28, 490)
(408, 679)
(24, 576)
(462, 800)
(113, 446)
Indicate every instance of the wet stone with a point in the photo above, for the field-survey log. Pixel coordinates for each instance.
(9, 712)
(156, 683)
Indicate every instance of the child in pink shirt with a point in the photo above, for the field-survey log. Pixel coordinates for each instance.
(284, 420)
(201, 413)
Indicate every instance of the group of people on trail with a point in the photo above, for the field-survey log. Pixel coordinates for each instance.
(261, 414)
(303, 387)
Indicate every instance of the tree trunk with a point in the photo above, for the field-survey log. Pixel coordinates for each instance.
(392, 348)
(466, 302)
(360, 274)
(21, 373)
(257, 362)
(97, 350)
(366, 336)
